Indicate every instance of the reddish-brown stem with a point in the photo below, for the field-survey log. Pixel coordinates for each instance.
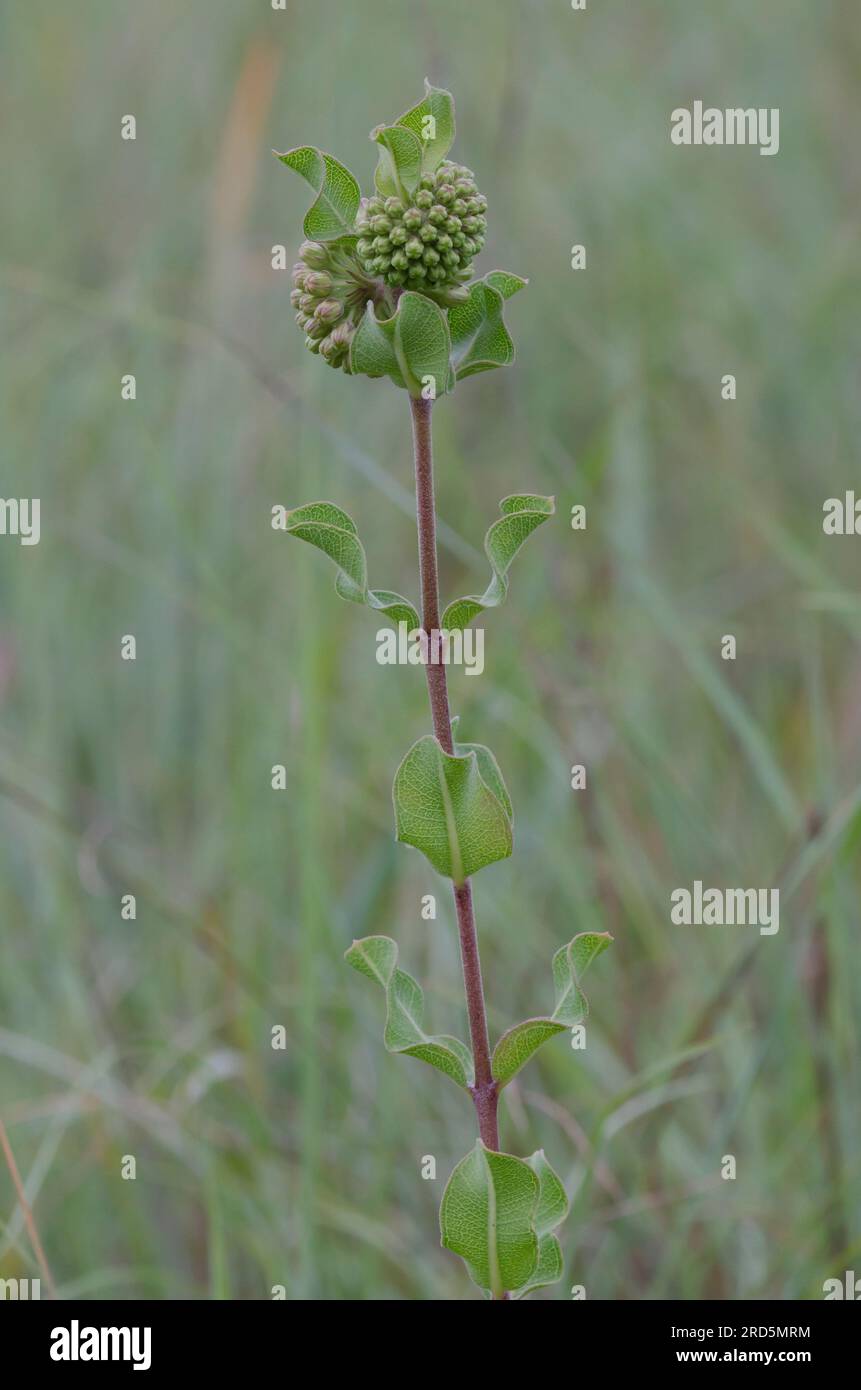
(485, 1092)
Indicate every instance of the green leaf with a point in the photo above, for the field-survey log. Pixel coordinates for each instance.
(445, 808)
(410, 347)
(479, 338)
(518, 1044)
(551, 1210)
(333, 212)
(489, 769)
(570, 963)
(400, 162)
(487, 1217)
(521, 514)
(334, 532)
(440, 105)
(377, 957)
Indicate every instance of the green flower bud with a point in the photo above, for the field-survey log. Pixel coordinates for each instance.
(428, 232)
(307, 303)
(376, 207)
(430, 256)
(398, 235)
(311, 345)
(315, 256)
(413, 247)
(424, 199)
(394, 207)
(400, 260)
(452, 225)
(416, 271)
(318, 282)
(364, 247)
(444, 242)
(458, 207)
(437, 215)
(295, 296)
(382, 245)
(445, 194)
(412, 219)
(328, 311)
(381, 225)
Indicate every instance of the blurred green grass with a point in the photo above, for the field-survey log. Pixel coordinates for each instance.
(151, 1038)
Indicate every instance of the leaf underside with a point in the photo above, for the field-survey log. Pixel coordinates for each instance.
(334, 532)
(521, 514)
(412, 347)
(498, 1213)
(377, 958)
(333, 212)
(480, 340)
(522, 1041)
(454, 808)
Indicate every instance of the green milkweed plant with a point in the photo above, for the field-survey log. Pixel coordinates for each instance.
(384, 286)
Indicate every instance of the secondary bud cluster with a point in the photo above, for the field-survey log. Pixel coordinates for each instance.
(428, 243)
(329, 295)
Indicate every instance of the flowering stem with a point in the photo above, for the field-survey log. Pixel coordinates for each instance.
(485, 1093)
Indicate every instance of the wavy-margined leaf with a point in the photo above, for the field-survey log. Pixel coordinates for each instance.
(412, 347)
(400, 162)
(487, 1217)
(334, 532)
(521, 514)
(487, 766)
(377, 957)
(438, 104)
(480, 340)
(445, 807)
(570, 963)
(550, 1212)
(333, 212)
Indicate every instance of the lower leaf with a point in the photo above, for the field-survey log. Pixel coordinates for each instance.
(486, 1217)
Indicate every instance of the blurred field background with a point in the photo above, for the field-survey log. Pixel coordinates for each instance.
(152, 1038)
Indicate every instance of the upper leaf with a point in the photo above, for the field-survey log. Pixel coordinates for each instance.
(448, 809)
(411, 347)
(377, 957)
(479, 338)
(334, 532)
(439, 105)
(570, 963)
(400, 162)
(333, 212)
(521, 514)
(487, 1217)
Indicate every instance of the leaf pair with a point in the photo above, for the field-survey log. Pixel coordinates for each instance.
(377, 957)
(334, 532)
(499, 1213)
(416, 144)
(521, 1042)
(455, 808)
